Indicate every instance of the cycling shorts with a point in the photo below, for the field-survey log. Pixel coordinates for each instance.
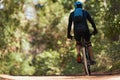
(79, 34)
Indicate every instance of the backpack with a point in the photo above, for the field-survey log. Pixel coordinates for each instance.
(78, 15)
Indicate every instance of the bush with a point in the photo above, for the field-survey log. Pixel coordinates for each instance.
(107, 56)
(51, 62)
(15, 64)
(70, 65)
(54, 63)
(47, 63)
(114, 54)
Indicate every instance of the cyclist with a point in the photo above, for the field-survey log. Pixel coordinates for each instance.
(81, 28)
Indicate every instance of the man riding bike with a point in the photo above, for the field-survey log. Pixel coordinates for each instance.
(80, 29)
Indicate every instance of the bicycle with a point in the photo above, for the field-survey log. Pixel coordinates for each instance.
(86, 57)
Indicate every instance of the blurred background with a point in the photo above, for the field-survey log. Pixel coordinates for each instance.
(33, 37)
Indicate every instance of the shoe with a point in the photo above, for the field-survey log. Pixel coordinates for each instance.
(92, 62)
(79, 58)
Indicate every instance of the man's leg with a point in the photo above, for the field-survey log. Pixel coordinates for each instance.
(91, 52)
(78, 48)
(87, 39)
(77, 35)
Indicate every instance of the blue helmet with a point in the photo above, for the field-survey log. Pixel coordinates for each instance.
(78, 4)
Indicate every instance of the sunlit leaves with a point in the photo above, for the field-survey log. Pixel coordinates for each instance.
(48, 63)
(112, 20)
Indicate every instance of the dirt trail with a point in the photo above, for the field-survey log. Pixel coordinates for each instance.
(82, 77)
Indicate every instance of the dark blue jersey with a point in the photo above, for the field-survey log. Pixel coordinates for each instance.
(83, 23)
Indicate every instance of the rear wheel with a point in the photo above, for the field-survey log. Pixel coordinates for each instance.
(86, 63)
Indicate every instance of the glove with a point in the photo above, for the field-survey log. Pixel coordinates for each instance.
(69, 36)
(95, 31)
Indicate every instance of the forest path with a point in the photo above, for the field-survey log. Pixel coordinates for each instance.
(80, 77)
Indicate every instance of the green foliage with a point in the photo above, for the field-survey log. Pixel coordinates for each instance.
(53, 63)
(107, 56)
(16, 64)
(70, 65)
(47, 63)
(112, 20)
(114, 53)
(68, 5)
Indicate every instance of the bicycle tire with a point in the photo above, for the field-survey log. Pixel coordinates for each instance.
(88, 59)
(86, 63)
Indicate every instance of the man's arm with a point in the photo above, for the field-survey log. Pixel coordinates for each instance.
(92, 22)
(69, 26)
